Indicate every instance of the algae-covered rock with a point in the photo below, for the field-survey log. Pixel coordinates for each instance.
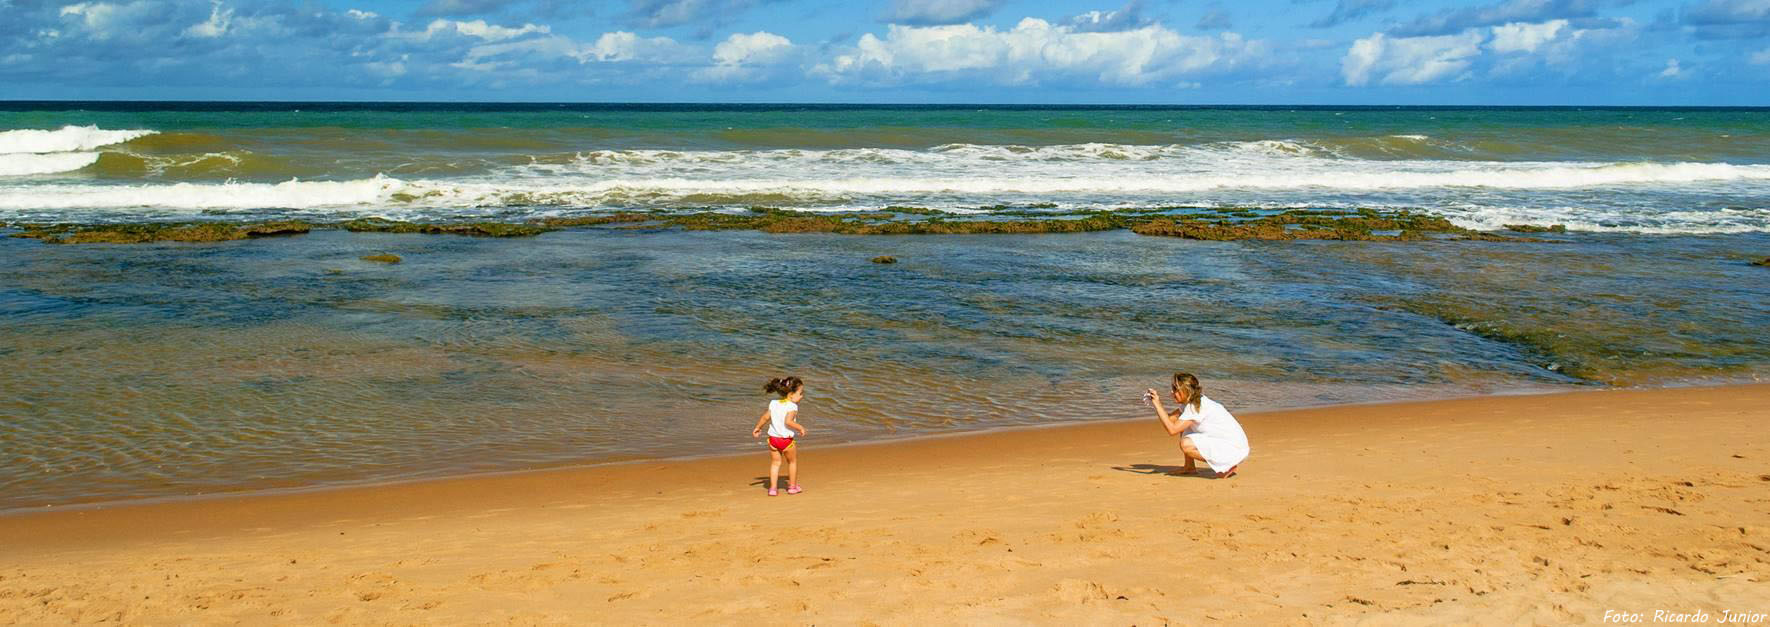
(276, 229)
(617, 218)
(1363, 225)
(476, 229)
(885, 259)
(137, 233)
(382, 258)
(1762, 262)
(1531, 228)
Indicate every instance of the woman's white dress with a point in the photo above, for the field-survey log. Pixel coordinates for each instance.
(1216, 434)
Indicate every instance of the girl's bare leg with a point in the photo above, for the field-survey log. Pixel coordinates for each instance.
(792, 466)
(774, 468)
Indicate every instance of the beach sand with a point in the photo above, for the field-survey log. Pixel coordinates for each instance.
(1521, 509)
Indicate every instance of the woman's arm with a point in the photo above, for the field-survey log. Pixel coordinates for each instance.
(793, 421)
(1172, 423)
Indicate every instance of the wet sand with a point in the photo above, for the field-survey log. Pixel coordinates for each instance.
(1545, 509)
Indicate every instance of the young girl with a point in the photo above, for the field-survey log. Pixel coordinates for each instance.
(782, 415)
(1211, 434)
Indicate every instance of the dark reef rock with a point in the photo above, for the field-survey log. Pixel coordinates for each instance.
(1531, 228)
(139, 233)
(476, 229)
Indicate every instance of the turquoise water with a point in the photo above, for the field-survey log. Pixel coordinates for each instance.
(168, 370)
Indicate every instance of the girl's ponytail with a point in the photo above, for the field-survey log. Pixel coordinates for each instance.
(782, 386)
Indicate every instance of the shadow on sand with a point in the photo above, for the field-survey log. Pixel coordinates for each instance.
(1150, 469)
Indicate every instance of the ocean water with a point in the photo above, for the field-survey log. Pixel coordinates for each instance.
(168, 370)
(1618, 170)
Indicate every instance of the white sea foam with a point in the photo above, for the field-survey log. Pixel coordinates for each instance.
(26, 164)
(1615, 196)
(64, 139)
(193, 196)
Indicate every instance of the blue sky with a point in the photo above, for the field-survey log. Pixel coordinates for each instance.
(1699, 52)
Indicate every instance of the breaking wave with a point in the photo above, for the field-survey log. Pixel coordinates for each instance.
(25, 152)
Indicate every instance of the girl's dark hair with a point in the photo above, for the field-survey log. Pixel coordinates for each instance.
(783, 386)
(1195, 393)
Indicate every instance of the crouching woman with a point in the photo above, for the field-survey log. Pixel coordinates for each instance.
(1207, 432)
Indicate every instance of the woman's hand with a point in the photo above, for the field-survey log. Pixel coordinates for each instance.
(756, 433)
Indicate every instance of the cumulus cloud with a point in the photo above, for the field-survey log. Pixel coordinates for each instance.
(249, 44)
(1524, 37)
(214, 26)
(1506, 50)
(1037, 52)
(1126, 17)
(1348, 10)
(1409, 60)
(104, 20)
(931, 12)
(1673, 70)
(747, 57)
(479, 29)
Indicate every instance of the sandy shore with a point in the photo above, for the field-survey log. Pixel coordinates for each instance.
(1547, 509)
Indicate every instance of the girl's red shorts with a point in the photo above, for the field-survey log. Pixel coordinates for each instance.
(780, 444)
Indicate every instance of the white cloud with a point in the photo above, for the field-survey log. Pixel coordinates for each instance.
(362, 15)
(1523, 36)
(481, 30)
(744, 57)
(760, 47)
(1672, 70)
(215, 26)
(1035, 51)
(1513, 49)
(1761, 57)
(1409, 60)
(626, 46)
(97, 17)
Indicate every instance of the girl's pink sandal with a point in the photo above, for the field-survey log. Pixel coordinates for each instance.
(772, 492)
(793, 490)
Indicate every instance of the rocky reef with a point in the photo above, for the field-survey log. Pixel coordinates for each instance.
(136, 233)
(1201, 223)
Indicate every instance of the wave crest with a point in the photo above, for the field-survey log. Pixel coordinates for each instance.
(65, 139)
(31, 164)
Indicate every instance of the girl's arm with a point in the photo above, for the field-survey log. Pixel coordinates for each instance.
(1172, 423)
(757, 432)
(793, 421)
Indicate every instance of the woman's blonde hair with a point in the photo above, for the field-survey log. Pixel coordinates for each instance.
(1195, 393)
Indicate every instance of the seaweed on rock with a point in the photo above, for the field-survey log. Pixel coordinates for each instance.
(476, 229)
(139, 233)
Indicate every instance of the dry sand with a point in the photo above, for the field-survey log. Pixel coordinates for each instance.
(1539, 509)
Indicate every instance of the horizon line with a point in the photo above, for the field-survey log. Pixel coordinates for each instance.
(17, 101)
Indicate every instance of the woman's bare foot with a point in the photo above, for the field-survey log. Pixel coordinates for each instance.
(1188, 469)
